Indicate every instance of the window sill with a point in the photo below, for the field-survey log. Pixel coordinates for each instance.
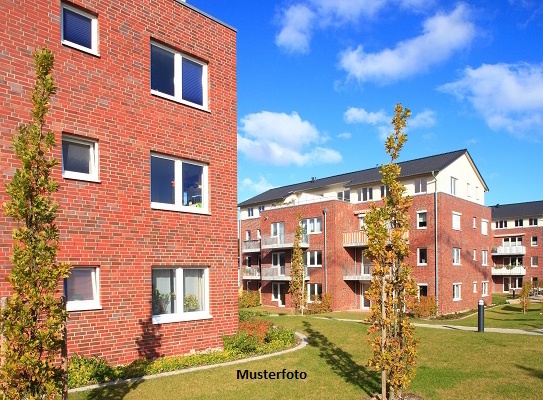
(187, 209)
(81, 178)
(422, 228)
(484, 295)
(82, 306)
(457, 265)
(183, 317)
(80, 48)
(422, 265)
(179, 101)
(457, 299)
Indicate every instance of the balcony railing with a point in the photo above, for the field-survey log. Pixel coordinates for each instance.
(250, 272)
(360, 238)
(509, 250)
(250, 246)
(357, 272)
(284, 241)
(508, 270)
(280, 273)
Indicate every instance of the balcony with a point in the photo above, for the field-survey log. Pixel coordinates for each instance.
(357, 272)
(279, 273)
(360, 239)
(284, 241)
(508, 270)
(250, 272)
(250, 246)
(508, 250)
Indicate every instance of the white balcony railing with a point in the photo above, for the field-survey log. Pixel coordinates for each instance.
(284, 241)
(251, 273)
(509, 250)
(508, 270)
(250, 246)
(280, 273)
(357, 272)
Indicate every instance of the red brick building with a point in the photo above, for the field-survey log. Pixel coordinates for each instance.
(517, 254)
(449, 235)
(145, 122)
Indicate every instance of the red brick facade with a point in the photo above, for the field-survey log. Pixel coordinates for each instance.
(110, 224)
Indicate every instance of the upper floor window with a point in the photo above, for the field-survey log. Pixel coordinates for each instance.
(258, 234)
(312, 225)
(457, 291)
(453, 185)
(519, 222)
(420, 185)
(512, 241)
(534, 241)
(534, 260)
(278, 229)
(313, 258)
(501, 224)
(79, 158)
(468, 190)
(421, 220)
(250, 212)
(344, 195)
(484, 227)
(476, 192)
(247, 235)
(278, 260)
(178, 185)
(178, 77)
(484, 257)
(384, 191)
(456, 256)
(365, 194)
(79, 29)
(456, 220)
(422, 256)
(260, 209)
(361, 221)
(532, 221)
(484, 288)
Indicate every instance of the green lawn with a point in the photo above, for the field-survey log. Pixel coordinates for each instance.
(451, 365)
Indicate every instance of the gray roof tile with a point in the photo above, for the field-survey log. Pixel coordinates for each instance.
(527, 209)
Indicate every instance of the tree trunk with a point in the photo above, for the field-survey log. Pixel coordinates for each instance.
(383, 339)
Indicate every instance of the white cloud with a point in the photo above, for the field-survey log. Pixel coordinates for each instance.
(259, 186)
(360, 115)
(282, 139)
(344, 135)
(443, 35)
(342, 11)
(297, 27)
(508, 96)
(424, 119)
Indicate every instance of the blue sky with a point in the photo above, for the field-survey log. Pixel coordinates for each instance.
(318, 81)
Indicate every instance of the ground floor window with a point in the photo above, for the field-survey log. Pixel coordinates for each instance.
(180, 294)
(457, 291)
(484, 288)
(422, 290)
(82, 289)
(512, 283)
(314, 292)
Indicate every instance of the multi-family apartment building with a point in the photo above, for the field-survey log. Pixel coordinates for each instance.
(517, 252)
(145, 124)
(449, 235)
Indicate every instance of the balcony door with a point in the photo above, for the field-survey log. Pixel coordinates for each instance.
(364, 301)
(278, 293)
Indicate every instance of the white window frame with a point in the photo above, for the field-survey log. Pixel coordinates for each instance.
(178, 174)
(457, 256)
(532, 261)
(247, 234)
(484, 257)
(468, 189)
(92, 176)
(474, 254)
(178, 79)
(533, 242)
(94, 30)
(484, 288)
(366, 194)
(258, 234)
(454, 181)
(181, 315)
(384, 191)
(276, 259)
(474, 222)
(311, 257)
(457, 291)
(418, 185)
(250, 212)
(260, 209)
(484, 227)
(419, 263)
(456, 220)
(532, 222)
(474, 286)
(312, 290)
(476, 192)
(308, 222)
(85, 305)
(419, 285)
(418, 222)
(519, 222)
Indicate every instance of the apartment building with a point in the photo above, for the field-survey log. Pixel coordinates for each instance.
(145, 123)
(517, 231)
(449, 234)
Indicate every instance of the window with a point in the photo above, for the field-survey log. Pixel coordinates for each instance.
(484, 257)
(512, 241)
(534, 261)
(422, 256)
(532, 221)
(474, 222)
(248, 262)
(258, 234)
(519, 222)
(79, 158)
(456, 220)
(420, 185)
(453, 185)
(178, 77)
(468, 190)
(421, 219)
(178, 185)
(314, 292)
(534, 241)
(456, 256)
(484, 227)
(312, 225)
(261, 208)
(476, 192)
(179, 294)
(79, 29)
(361, 221)
(384, 191)
(344, 195)
(474, 255)
(474, 287)
(278, 260)
(513, 261)
(501, 224)
(82, 289)
(250, 212)
(484, 288)
(422, 290)
(365, 194)
(313, 258)
(247, 235)
(457, 291)
(278, 230)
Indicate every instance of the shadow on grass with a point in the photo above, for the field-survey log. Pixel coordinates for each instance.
(537, 373)
(342, 363)
(115, 392)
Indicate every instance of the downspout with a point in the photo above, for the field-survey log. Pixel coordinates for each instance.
(240, 279)
(324, 211)
(435, 242)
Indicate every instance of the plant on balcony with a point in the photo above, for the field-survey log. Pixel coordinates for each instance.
(391, 334)
(297, 272)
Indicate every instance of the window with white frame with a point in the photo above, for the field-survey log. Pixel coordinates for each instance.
(314, 292)
(475, 287)
(365, 194)
(484, 257)
(484, 227)
(534, 261)
(421, 220)
(79, 29)
(501, 224)
(178, 76)
(533, 241)
(248, 261)
(456, 220)
(79, 158)
(278, 260)
(278, 231)
(484, 288)
(519, 222)
(384, 191)
(250, 212)
(247, 235)
(512, 241)
(474, 222)
(457, 291)
(532, 221)
(422, 256)
(260, 209)
(513, 261)
(313, 258)
(344, 195)
(179, 294)
(312, 225)
(422, 290)
(474, 255)
(456, 256)
(453, 185)
(82, 289)
(476, 192)
(421, 185)
(258, 234)
(178, 185)
(468, 190)
(361, 221)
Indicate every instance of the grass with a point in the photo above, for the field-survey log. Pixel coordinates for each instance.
(451, 365)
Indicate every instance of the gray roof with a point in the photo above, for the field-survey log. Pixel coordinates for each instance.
(528, 209)
(419, 166)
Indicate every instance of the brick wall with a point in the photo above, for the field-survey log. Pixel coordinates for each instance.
(110, 224)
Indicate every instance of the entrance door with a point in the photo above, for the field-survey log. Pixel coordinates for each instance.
(278, 293)
(506, 283)
(364, 302)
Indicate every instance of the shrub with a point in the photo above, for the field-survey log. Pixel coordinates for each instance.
(322, 305)
(424, 307)
(255, 327)
(241, 342)
(84, 371)
(249, 298)
(246, 315)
